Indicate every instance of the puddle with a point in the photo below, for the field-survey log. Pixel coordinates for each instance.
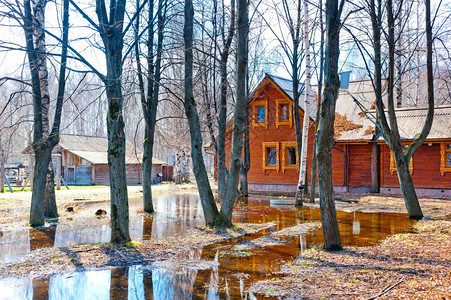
(176, 214)
(229, 273)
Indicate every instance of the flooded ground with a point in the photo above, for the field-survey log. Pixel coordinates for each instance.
(218, 271)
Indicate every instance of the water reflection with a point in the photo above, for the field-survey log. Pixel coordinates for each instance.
(176, 214)
(230, 276)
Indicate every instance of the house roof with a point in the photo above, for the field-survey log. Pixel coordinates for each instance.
(360, 96)
(94, 149)
(286, 86)
(16, 165)
(411, 121)
(347, 110)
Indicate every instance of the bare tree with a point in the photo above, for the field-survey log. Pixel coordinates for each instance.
(43, 144)
(240, 116)
(150, 102)
(205, 193)
(325, 131)
(389, 128)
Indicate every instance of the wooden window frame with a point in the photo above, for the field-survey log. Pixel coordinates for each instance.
(285, 145)
(255, 104)
(265, 165)
(393, 165)
(443, 155)
(279, 122)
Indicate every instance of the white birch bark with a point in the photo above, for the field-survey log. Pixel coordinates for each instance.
(305, 127)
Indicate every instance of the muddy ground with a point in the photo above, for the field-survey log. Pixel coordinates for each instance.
(414, 265)
(404, 266)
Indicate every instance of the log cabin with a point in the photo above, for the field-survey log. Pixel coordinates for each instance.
(362, 162)
(84, 160)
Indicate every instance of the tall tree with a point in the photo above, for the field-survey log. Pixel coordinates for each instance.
(39, 6)
(111, 29)
(222, 120)
(320, 90)
(306, 124)
(389, 128)
(325, 131)
(240, 116)
(42, 143)
(205, 193)
(149, 103)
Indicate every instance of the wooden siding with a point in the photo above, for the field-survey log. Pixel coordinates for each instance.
(359, 165)
(426, 168)
(102, 175)
(338, 171)
(259, 135)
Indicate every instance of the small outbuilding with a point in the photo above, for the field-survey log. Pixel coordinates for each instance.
(84, 160)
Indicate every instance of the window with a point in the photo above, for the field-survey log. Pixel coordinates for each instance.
(260, 113)
(393, 165)
(289, 156)
(445, 161)
(270, 155)
(284, 113)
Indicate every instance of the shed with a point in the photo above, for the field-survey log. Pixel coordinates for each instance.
(84, 160)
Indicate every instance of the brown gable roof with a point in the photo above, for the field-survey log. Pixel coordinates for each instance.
(94, 149)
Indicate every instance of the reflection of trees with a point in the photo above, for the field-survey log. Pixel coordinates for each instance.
(80, 285)
(42, 237)
(16, 288)
(119, 283)
(175, 282)
(41, 288)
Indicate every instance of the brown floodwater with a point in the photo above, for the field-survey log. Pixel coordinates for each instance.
(228, 268)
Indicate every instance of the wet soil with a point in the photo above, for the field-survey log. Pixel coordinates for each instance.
(272, 252)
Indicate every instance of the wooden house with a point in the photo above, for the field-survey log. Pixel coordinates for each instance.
(362, 162)
(274, 162)
(84, 160)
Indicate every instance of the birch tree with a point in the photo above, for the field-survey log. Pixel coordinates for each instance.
(306, 123)
(43, 143)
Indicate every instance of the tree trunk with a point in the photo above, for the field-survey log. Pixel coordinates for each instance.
(2, 170)
(222, 126)
(320, 87)
(246, 157)
(147, 171)
(150, 103)
(43, 141)
(222, 121)
(42, 159)
(374, 168)
(50, 208)
(325, 139)
(305, 127)
(240, 116)
(407, 187)
(116, 162)
(205, 193)
(111, 31)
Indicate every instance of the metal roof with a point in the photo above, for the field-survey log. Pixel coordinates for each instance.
(94, 149)
(286, 85)
(411, 121)
(360, 96)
